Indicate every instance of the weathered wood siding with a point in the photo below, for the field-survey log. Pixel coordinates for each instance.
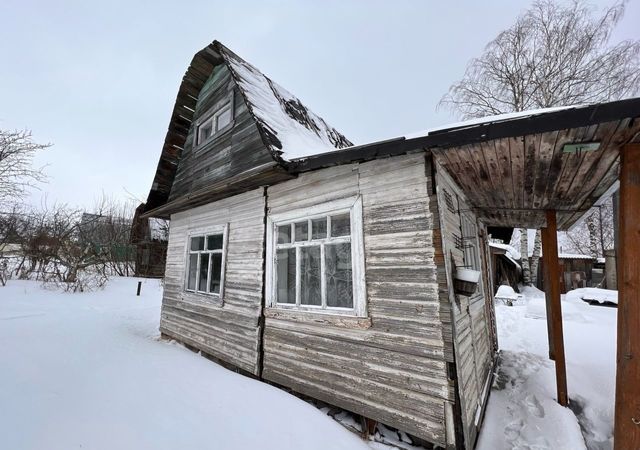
(394, 367)
(228, 329)
(235, 150)
(469, 331)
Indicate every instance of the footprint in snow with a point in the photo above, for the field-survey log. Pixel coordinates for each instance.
(533, 405)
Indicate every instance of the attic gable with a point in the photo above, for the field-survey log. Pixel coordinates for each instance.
(287, 128)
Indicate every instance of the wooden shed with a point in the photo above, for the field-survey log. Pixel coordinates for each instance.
(341, 272)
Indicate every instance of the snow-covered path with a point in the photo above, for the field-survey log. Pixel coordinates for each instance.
(522, 411)
(88, 371)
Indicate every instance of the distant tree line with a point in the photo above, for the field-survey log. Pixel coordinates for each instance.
(65, 246)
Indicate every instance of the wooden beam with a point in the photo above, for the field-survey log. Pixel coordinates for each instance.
(552, 284)
(627, 410)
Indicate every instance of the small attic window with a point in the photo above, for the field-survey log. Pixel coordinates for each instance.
(215, 123)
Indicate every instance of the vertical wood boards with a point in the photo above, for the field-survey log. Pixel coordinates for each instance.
(471, 327)
(552, 269)
(627, 411)
(227, 329)
(394, 370)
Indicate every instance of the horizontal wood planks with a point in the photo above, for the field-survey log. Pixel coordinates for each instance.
(232, 152)
(228, 329)
(394, 369)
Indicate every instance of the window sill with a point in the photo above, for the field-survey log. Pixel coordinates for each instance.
(199, 297)
(319, 318)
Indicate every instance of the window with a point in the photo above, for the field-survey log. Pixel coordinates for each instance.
(315, 259)
(205, 263)
(214, 123)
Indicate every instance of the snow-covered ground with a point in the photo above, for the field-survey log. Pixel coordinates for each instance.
(522, 411)
(88, 371)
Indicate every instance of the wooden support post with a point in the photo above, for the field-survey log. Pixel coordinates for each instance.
(369, 427)
(139, 288)
(552, 283)
(627, 411)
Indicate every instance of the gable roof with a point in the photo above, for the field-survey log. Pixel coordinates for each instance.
(288, 128)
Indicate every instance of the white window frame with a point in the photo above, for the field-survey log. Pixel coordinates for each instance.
(204, 232)
(352, 205)
(212, 117)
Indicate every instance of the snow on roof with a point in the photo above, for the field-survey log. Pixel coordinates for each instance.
(293, 130)
(490, 119)
(574, 256)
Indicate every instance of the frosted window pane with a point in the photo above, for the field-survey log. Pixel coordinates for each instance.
(204, 268)
(302, 231)
(197, 243)
(205, 131)
(193, 268)
(339, 289)
(216, 273)
(284, 234)
(286, 273)
(223, 118)
(310, 276)
(319, 228)
(214, 242)
(341, 225)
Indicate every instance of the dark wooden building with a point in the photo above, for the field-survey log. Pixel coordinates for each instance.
(358, 275)
(150, 237)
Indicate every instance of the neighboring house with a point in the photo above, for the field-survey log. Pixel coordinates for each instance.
(505, 268)
(330, 269)
(150, 237)
(106, 234)
(576, 271)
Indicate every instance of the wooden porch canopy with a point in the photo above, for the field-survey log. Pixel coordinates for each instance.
(514, 167)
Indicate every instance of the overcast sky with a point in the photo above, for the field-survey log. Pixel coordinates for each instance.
(99, 79)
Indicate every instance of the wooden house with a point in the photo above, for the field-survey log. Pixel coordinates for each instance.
(150, 237)
(576, 271)
(330, 269)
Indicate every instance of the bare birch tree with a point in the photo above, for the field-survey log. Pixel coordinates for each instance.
(556, 54)
(524, 256)
(535, 258)
(17, 173)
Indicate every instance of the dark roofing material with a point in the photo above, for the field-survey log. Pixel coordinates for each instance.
(486, 131)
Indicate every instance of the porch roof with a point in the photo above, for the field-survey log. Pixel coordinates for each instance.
(514, 168)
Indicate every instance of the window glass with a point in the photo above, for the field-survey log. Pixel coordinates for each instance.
(193, 268)
(197, 243)
(339, 284)
(319, 228)
(310, 293)
(286, 275)
(312, 266)
(205, 131)
(284, 234)
(340, 225)
(214, 242)
(302, 231)
(204, 270)
(223, 118)
(216, 273)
